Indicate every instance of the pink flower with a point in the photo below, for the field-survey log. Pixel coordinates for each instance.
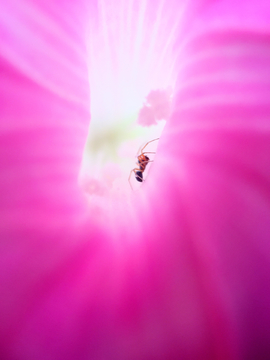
(157, 107)
(177, 270)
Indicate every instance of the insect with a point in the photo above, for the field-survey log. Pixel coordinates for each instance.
(143, 161)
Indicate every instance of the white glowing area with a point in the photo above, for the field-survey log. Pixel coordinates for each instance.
(130, 55)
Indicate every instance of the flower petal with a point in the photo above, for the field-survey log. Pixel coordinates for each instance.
(181, 269)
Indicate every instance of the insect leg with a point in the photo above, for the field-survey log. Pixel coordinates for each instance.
(148, 143)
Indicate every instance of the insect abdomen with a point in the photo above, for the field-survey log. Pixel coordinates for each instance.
(139, 176)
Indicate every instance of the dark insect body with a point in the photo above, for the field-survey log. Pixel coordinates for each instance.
(143, 161)
(139, 176)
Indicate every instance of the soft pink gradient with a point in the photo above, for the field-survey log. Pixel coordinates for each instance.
(157, 107)
(179, 271)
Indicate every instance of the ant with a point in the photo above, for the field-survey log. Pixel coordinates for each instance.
(143, 160)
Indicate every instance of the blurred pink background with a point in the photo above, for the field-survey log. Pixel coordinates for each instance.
(177, 270)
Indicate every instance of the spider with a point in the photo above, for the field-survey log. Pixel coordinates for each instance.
(143, 160)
